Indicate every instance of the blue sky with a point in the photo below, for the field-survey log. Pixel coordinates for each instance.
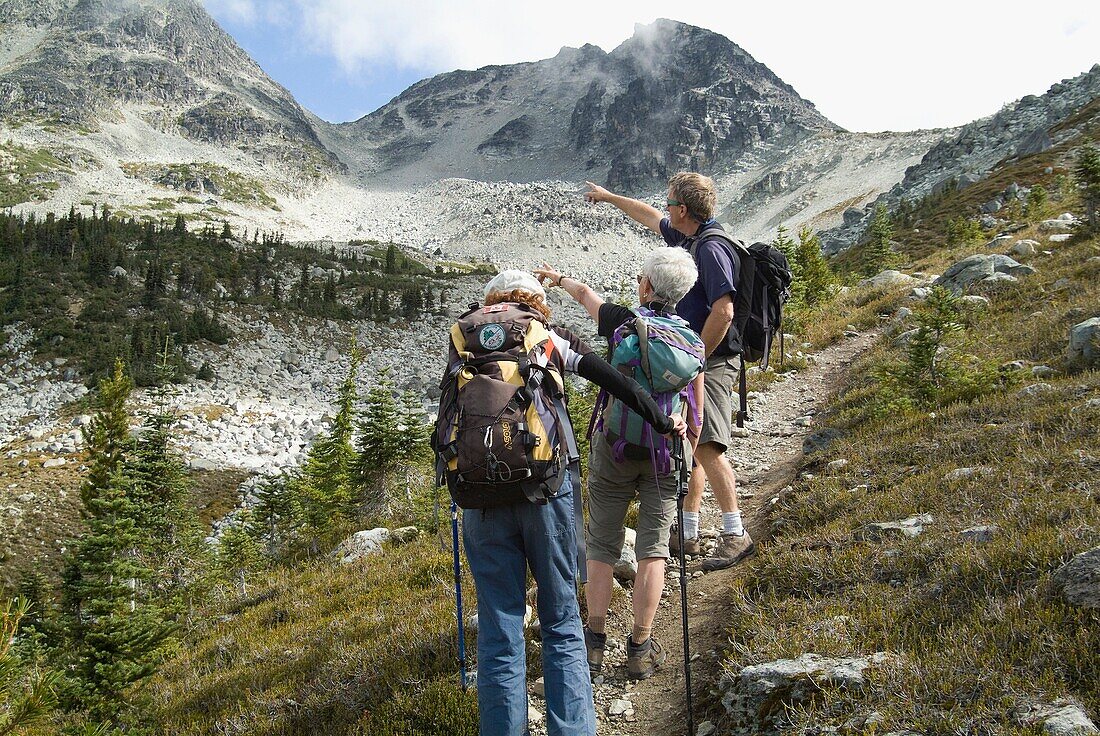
(868, 65)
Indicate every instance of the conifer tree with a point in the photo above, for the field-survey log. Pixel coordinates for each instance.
(25, 696)
(815, 278)
(116, 631)
(787, 247)
(927, 366)
(379, 436)
(238, 553)
(1036, 201)
(107, 436)
(1087, 173)
(274, 514)
(877, 253)
(324, 488)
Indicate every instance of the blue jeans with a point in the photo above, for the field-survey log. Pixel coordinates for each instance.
(500, 544)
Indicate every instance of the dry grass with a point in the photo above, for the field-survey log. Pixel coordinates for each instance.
(978, 628)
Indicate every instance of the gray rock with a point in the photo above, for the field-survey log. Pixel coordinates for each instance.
(852, 215)
(905, 338)
(1042, 371)
(1060, 238)
(993, 205)
(902, 314)
(964, 473)
(1084, 341)
(1035, 389)
(974, 301)
(332, 355)
(54, 462)
(988, 222)
(627, 566)
(887, 279)
(821, 440)
(404, 534)
(619, 707)
(1000, 241)
(1057, 226)
(361, 544)
(1079, 579)
(757, 698)
(837, 465)
(1023, 248)
(879, 530)
(981, 534)
(1060, 718)
(999, 279)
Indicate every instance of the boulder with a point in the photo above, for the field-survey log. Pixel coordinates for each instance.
(361, 544)
(1057, 226)
(1023, 248)
(627, 566)
(1000, 241)
(1084, 341)
(1060, 237)
(757, 698)
(879, 530)
(887, 279)
(1079, 579)
(852, 215)
(1060, 718)
(974, 301)
(404, 534)
(993, 205)
(980, 267)
(1035, 389)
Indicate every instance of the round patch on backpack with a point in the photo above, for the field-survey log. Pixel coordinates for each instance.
(491, 337)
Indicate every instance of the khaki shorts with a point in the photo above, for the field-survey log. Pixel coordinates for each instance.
(611, 488)
(718, 392)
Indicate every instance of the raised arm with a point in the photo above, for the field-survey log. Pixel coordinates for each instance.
(580, 291)
(635, 209)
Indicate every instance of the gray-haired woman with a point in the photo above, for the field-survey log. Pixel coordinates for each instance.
(667, 275)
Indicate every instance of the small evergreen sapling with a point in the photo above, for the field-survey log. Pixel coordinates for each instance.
(1087, 174)
(877, 253)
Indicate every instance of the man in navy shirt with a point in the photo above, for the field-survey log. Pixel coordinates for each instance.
(708, 308)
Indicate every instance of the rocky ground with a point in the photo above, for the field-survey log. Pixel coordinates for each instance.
(765, 459)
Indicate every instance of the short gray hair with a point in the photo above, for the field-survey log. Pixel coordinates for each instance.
(671, 273)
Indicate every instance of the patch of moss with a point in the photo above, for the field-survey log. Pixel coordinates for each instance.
(231, 185)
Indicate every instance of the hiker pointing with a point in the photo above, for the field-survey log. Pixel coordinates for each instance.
(506, 448)
(627, 463)
(709, 309)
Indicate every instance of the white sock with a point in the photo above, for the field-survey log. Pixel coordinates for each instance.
(691, 524)
(731, 523)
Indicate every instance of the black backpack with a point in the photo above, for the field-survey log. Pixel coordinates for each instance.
(763, 287)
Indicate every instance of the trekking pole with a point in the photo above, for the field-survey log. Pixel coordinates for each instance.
(681, 494)
(458, 600)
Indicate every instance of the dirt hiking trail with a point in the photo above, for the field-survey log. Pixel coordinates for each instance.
(765, 462)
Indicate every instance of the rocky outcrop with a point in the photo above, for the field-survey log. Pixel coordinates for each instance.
(671, 97)
(96, 56)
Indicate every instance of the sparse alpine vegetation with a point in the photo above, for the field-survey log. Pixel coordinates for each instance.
(203, 179)
(30, 175)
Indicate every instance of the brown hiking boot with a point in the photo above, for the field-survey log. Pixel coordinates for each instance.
(643, 659)
(732, 548)
(595, 644)
(691, 544)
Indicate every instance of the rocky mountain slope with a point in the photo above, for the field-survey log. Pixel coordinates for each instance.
(671, 97)
(149, 106)
(1030, 125)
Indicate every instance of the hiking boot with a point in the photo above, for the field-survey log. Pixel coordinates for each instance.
(595, 644)
(691, 544)
(732, 548)
(643, 659)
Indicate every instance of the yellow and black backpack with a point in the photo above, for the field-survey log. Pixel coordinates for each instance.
(502, 419)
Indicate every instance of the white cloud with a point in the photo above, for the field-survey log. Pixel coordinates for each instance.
(867, 64)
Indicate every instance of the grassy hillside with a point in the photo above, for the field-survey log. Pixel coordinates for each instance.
(977, 629)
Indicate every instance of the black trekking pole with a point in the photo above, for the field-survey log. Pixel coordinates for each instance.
(681, 494)
(458, 599)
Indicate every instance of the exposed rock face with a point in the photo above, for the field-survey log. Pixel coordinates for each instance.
(671, 97)
(89, 57)
(1031, 124)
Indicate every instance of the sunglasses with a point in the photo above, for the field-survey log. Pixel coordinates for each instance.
(674, 203)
